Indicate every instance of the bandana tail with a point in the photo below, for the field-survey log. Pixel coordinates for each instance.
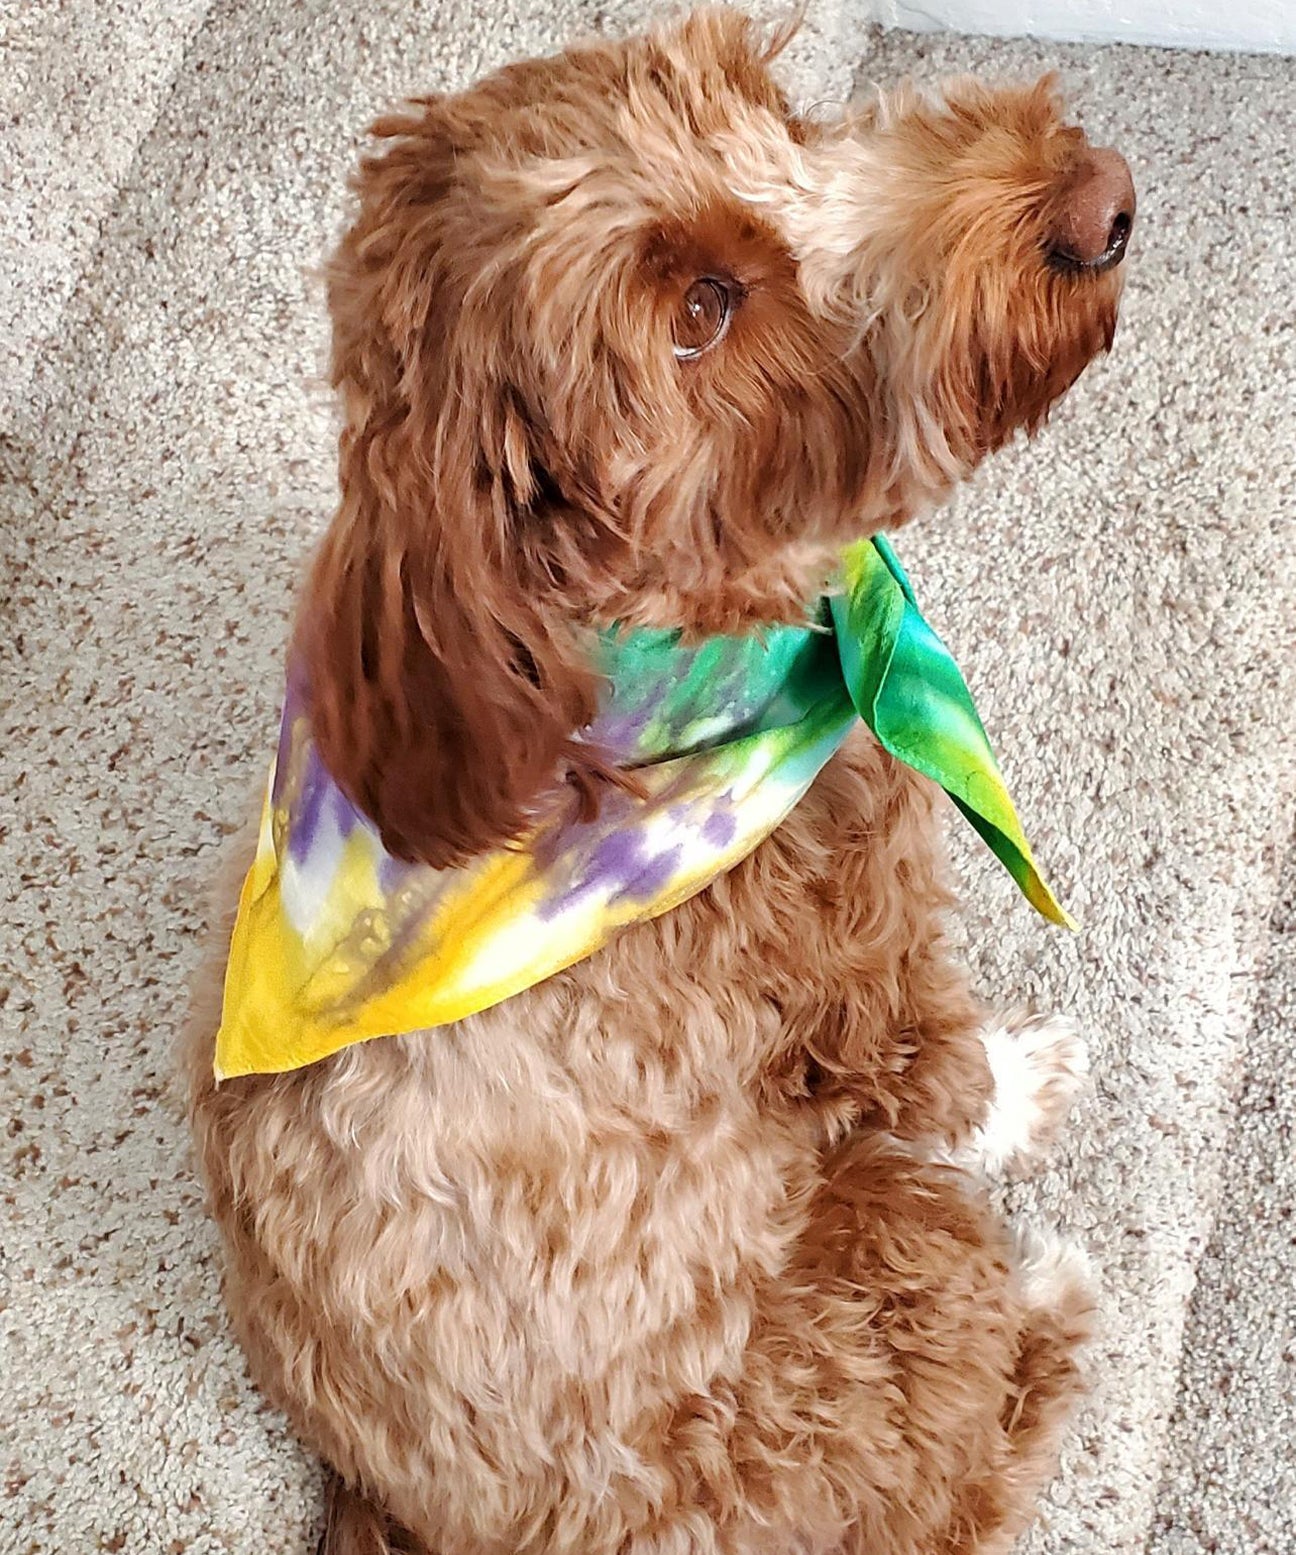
(909, 691)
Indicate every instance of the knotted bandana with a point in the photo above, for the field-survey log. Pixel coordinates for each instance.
(337, 942)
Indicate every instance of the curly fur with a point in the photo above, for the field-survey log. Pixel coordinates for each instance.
(657, 1256)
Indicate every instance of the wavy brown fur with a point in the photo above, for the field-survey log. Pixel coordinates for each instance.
(653, 1257)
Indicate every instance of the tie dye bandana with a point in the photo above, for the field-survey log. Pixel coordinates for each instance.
(337, 942)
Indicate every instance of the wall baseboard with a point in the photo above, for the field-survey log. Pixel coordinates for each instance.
(1262, 26)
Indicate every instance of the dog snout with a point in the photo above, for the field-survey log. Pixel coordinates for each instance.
(1096, 214)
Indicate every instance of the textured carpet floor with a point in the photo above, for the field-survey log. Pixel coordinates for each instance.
(1122, 593)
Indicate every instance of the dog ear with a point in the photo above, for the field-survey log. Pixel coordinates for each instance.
(443, 695)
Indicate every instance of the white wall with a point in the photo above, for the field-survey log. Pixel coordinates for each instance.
(1268, 25)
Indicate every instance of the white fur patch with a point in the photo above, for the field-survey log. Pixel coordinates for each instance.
(1051, 1272)
(1039, 1064)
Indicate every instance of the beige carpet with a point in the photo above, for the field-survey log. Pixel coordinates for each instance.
(1122, 593)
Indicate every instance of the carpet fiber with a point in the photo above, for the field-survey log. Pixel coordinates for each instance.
(1121, 593)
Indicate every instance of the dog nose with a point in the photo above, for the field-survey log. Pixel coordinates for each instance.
(1096, 216)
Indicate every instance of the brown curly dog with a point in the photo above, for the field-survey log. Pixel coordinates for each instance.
(685, 1250)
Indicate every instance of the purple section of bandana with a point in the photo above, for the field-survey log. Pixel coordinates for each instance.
(393, 873)
(652, 877)
(315, 805)
(719, 828)
(293, 710)
(316, 796)
(615, 863)
(318, 806)
(620, 731)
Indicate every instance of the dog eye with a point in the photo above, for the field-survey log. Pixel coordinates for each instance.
(703, 317)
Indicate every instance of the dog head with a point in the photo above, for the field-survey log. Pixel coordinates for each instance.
(620, 337)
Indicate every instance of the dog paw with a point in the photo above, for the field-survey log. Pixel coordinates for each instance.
(1050, 1270)
(1056, 1278)
(1039, 1065)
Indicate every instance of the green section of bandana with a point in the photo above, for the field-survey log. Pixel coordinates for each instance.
(800, 687)
(781, 689)
(909, 691)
